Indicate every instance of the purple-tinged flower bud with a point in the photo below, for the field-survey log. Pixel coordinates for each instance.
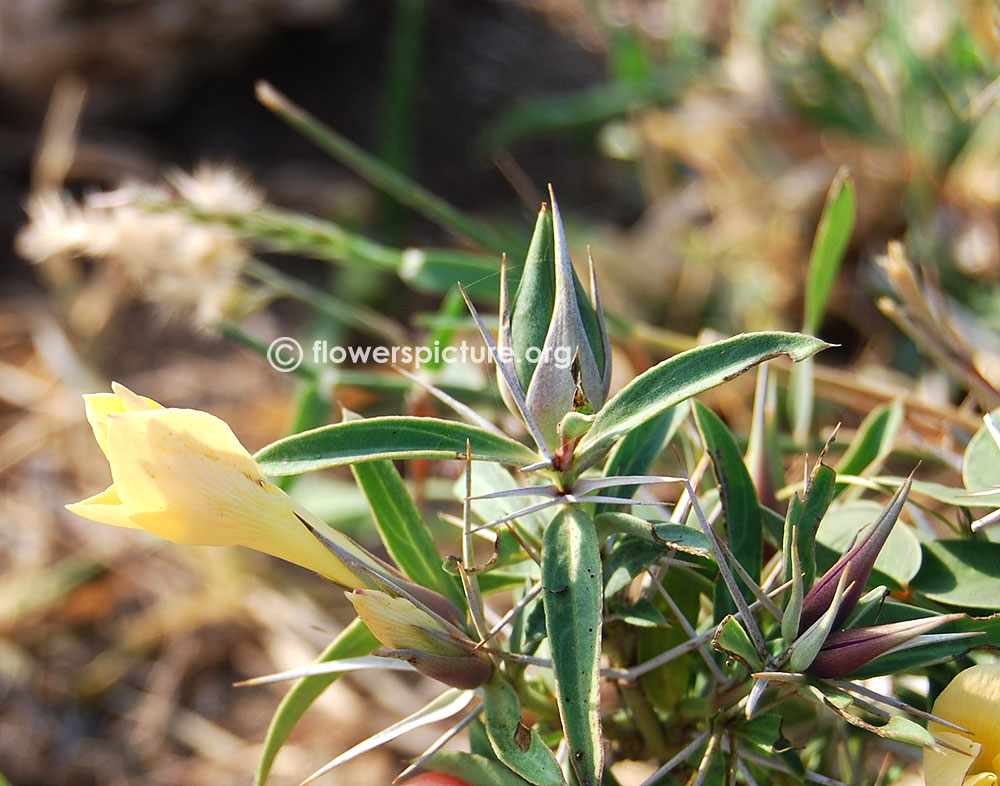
(847, 651)
(458, 671)
(413, 635)
(857, 564)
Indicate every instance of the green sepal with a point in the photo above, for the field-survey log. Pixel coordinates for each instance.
(531, 309)
(804, 516)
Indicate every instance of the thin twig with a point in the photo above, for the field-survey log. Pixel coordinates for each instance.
(751, 624)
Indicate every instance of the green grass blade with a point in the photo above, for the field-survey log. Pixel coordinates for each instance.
(387, 438)
(379, 174)
(836, 225)
(832, 236)
(683, 376)
(354, 641)
(571, 575)
(400, 90)
(873, 442)
(740, 507)
(403, 532)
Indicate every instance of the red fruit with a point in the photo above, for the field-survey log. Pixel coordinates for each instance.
(434, 779)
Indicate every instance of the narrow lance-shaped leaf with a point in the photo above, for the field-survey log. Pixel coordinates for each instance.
(571, 574)
(473, 769)
(517, 745)
(403, 532)
(399, 437)
(741, 510)
(682, 376)
(829, 244)
(873, 442)
(832, 236)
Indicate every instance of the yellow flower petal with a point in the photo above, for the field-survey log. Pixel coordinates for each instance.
(100, 405)
(945, 767)
(184, 476)
(972, 700)
(104, 508)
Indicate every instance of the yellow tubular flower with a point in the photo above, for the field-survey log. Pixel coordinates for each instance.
(184, 476)
(972, 700)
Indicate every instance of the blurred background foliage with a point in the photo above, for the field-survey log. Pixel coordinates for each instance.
(691, 144)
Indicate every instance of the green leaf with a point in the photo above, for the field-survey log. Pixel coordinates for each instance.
(439, 270)
(829, 244)
(960, 497)
(668, 684)
(635, 454)
(741, 510)
(981, 465)
(354, 641)
(899, 560)
(573, 596)
(804, 516)
(403, 532)
(667, 535)
(629, 557)
(897, 728)
(764, 731)
(517, 746)
(733, 640)
(963, 573)
(682, 376)
(377, 173)
(642, 614)
(396, 437)
(473, 769)
(873, 442)
(901, 729)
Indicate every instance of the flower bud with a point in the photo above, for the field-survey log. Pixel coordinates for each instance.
(856, 564)
(459, 671)
(847, 651)
(415, 636)
(553, 333)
